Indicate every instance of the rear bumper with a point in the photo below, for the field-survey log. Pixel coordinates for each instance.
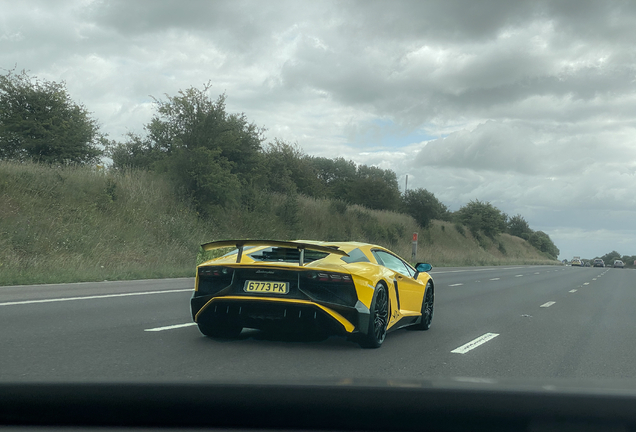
(278, 314)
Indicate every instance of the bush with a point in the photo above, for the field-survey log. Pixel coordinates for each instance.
(482, 217)
(422, 206)
(40, 122)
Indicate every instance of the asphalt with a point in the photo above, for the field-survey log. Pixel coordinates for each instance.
(533, 322)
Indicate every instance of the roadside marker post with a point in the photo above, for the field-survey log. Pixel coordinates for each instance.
(414, 250)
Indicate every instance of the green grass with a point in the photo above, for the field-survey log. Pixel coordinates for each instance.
(70, 224)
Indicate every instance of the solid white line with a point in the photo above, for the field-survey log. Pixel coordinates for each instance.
(176, 326)
(92, 297)
(495, 279)
(475, 343)
(458, 284)
(475, 270)
(548, 304)
(573, 290)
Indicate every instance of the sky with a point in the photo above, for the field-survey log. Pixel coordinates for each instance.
(529, 105)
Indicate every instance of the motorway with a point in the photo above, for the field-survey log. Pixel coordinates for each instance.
(490, 322)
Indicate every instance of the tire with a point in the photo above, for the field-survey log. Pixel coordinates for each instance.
(220, 330)
(428, 304)
(378, 319)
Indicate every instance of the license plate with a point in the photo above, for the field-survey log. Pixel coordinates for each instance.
(266, 287)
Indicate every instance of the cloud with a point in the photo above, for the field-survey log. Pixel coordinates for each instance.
(491, 146)
(529, 105)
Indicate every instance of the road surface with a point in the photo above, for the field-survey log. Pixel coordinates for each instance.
(490, 322)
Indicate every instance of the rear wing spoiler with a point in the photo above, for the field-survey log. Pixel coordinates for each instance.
(240, 244)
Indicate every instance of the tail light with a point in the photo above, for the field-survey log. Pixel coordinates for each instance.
(214, 279)
(328, 277)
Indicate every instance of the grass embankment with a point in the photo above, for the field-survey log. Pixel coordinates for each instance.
(69, 224)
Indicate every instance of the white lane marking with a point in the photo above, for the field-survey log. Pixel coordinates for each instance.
(518, 275)
(548, 304)
(476, 270)
(92, 297)
(537, 273)
(593, 278)
(573, 291)
(586, 283)
(457, 284)
(176, 326)
(495, 279)
(475, 343)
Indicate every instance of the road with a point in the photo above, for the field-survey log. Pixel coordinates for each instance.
(490, 322)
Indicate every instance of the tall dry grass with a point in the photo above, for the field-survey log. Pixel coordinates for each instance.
(68, 224)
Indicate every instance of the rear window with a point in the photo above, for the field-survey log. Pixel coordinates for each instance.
(355, 255)
(282, 254)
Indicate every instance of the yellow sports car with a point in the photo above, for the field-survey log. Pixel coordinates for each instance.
(354, 289)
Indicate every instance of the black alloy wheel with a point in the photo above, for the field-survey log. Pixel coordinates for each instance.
(378, 319)
(427, 308)
(220, 330)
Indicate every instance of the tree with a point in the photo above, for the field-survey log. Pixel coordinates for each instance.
(518, 226)
(609, 257)
(207, 152)
(287, 170)
(136, 152)
(482, 216)
(191, 120)
(542, 241)
(423, 206)
(40, 122)
(375, 188)
(336, 175)
(203, 175)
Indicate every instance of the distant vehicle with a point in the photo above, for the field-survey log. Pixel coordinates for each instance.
(619, 264)
(587, 264)
(576, 262)
(599, 263)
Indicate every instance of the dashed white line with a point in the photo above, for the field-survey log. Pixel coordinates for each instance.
(495, 279)
(548, 304)
(573, 291)
(537, 273)
(63, 299)
(475, 343)
(593, 278)
(176, 326)
(518, 275)
(586, 283)
(457, 284)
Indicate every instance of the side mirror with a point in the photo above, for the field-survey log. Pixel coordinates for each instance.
(422, 267)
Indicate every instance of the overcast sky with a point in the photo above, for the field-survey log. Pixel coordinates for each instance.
(529, 105)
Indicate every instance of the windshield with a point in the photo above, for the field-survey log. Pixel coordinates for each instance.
(491, 140)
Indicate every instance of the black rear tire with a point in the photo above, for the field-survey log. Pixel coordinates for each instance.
(378, 319)
(428, 304)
